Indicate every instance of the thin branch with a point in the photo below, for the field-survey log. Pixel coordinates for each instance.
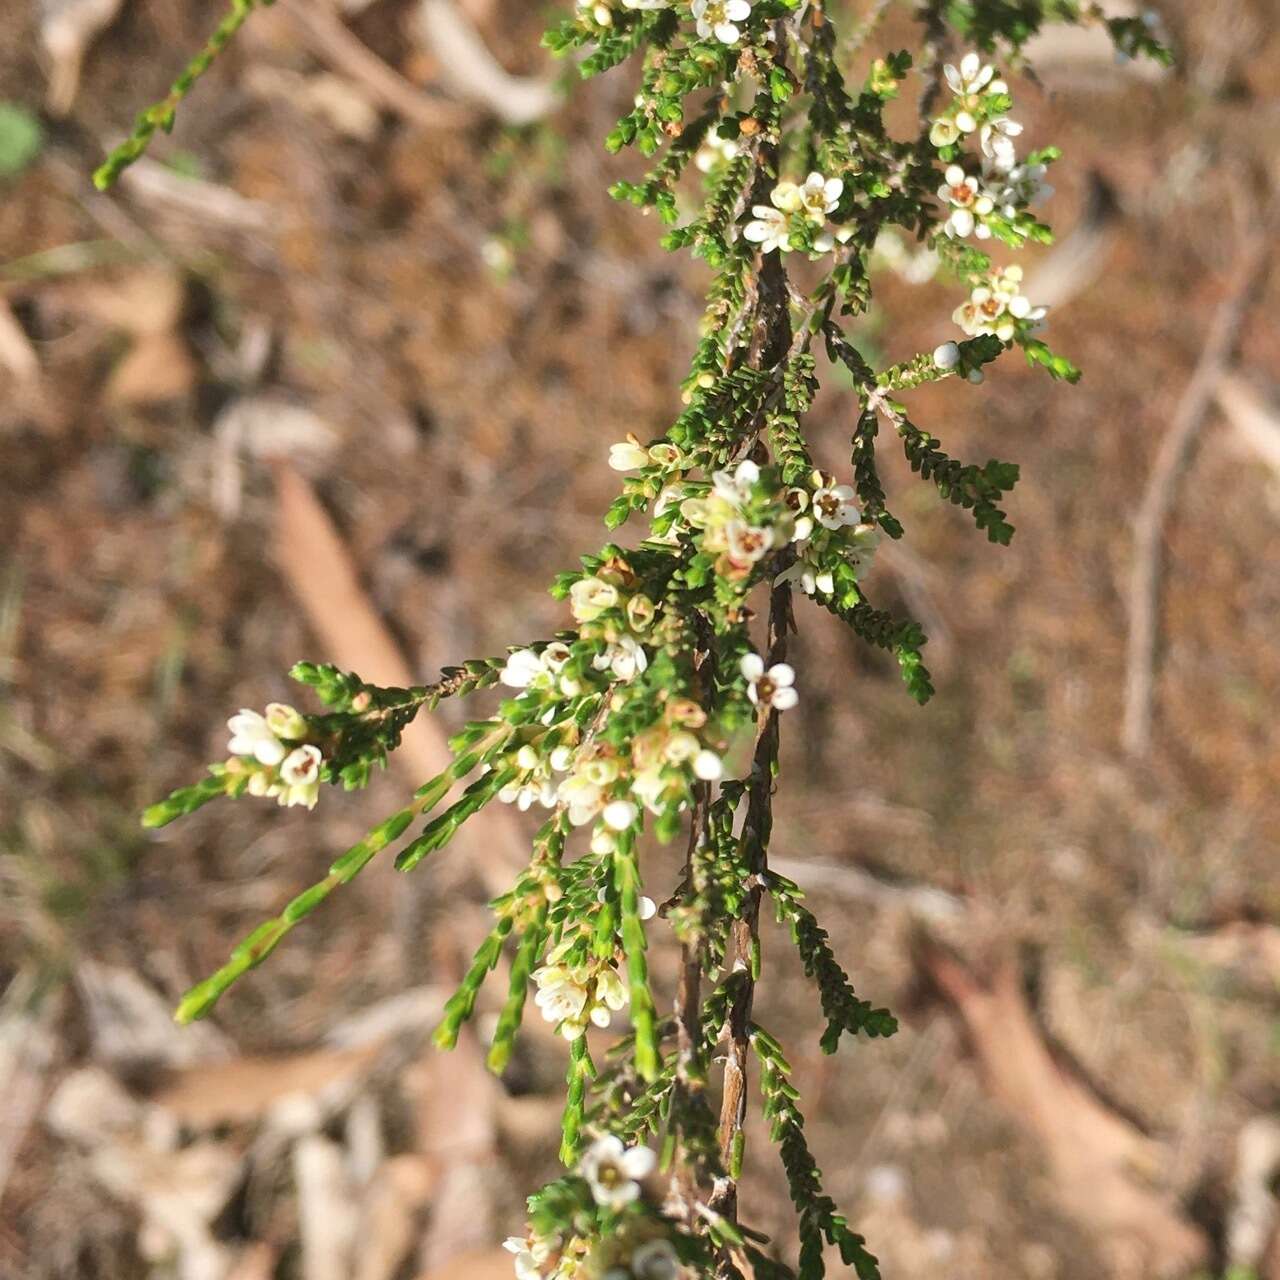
(1171, 461)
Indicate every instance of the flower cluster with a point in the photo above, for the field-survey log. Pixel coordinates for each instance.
(573, 995)
(610, 1181)
(740, 521)
(616, 616)
(796, 211)
(269, 748)
(834, 546)
(992, 200)
(998, 306)
(656, 772)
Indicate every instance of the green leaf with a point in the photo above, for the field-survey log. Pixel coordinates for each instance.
(21, 138)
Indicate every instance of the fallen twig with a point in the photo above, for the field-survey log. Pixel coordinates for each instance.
(333, 42)
(1171, 460)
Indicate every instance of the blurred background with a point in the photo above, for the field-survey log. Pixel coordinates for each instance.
(332, 374)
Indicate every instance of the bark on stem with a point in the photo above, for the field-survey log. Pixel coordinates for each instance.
(745, 929)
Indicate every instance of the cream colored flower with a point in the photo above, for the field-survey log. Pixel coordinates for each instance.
(251, 735)
(628, 455)
(300, 777)
(614, 1171)
(590, 597)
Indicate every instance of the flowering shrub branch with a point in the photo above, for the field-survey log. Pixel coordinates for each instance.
(658, 709)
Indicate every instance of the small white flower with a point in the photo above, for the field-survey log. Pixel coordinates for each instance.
(1024, 187)
(619, 815)
(714, 151)
(251, 735)
(944, 132)
(860, 548)
(961, 193)
(590, 597)
(808, 575)
(285, 722)
(522, 668)
(819, 196)
(614, 1172)
(825, 241)
(656, 1260)
(768, 229)
(628, 455)
(833, 506)
(708, 766)
(736, 486)
(720, 18)
(560, 997)
(582, 797)
(625, 658)
(947, 356)
(649, 787)
(970, 77)
(747, 543)
(996, 138)
(300, 776)
(647, 910)
(771, 688)
(530, 1256)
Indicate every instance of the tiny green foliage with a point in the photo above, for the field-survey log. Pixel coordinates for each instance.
(161, 115)
(655, 715)
(21, 138)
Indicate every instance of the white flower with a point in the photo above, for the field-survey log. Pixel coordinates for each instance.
(251, 735)
(628, 455)
(560, 996)
(971, 76)
(747, 542)
(808, 574)
(708, 766)
(522, 668)
(947, 356)
(300, 776)
(981, 314)
(1024, 187)
(590, 597)
(825, 241)
(656, 1260)
(770, 688)
(285, 722)
(720, 18)
(649, 787)
(736, 486)
(713, 151)
(833, 506)
(860, 548)
(625, 657)
(944, 132)
(647, 910)
(614, 1171)
(819, 196)
(582, 797)
(611, 995)
(996, 138)
(968, 205)
(530, 1256)
(768, 229)
(619, 815)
